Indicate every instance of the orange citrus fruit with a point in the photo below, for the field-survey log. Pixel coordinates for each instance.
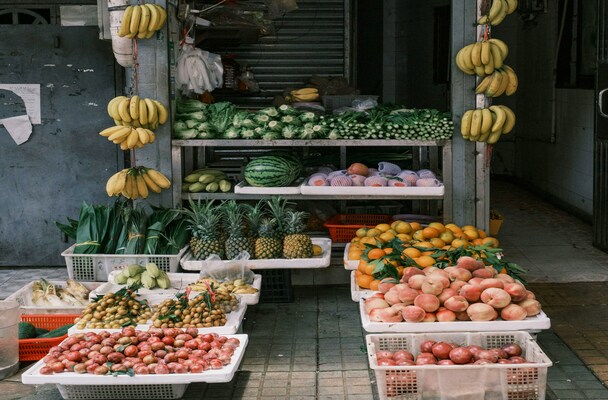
(369, 269)
(403, 227)
(373, 285)
(375, 254)
(361, 232)
(412, 252)
(357, 273)
(415, 226)
(386, 236)
(373, 232)
(404, 237)
(425, 244)
(456, 243)
(418, 235)
(437, 242)
(482, 233)
(430, 232)
(447, 236)
(471, 233)
(364, 281)
(437, 225)
(476, 242)
(454, 228)
(383, 227)
(491, 241)
(388, 250)
(361, 266)
(425, 261)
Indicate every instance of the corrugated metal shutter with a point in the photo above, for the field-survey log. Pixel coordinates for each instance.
(308, 41)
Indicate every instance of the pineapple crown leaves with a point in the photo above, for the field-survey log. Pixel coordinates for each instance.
(267, 227)
(294, 221)
(201, 218)
(234, 216)
(254, 216)
(277, 207)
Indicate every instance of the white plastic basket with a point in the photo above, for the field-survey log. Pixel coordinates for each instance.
(179, 282)
(536, 323)
(172, 386)
(324, 260)
(356, 293)
(348, 263)
(23, 296)
(97, 267)
(471, 382)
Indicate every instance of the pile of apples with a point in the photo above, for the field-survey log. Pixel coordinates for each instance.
(469, 291)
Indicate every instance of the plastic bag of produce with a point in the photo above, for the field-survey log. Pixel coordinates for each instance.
(227, 270)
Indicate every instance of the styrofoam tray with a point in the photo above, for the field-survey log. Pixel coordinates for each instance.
(245, 188)
(531, 324)
(372, 190)
(233, 323)
(33, 376)
(23, 296)
(178, 282)
(348, 263)
(190, 264)
(356, 293)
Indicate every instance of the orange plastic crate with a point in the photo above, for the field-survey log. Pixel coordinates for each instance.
(35, 349)
(342, 227)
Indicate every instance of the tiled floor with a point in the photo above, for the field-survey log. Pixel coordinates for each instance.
(312, 348)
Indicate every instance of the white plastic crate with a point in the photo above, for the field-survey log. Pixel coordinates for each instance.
(172, 386)
(348, 263)
(356, 293)
(179, 282)
(324, 260)
(244, 188)
(450, 382)
(23, 296)
(536, 323)
(234, 320)
(97, 267)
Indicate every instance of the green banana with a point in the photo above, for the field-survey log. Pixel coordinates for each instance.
(153, 270)
(225, 185)
(196, 187)
(212, 187)
(148, 280)
(206, 178)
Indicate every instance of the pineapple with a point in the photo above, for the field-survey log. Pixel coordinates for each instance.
(237, 240)
(267, 245)
(296, 244)
(203, 220)
(276, 206)
(254, 216)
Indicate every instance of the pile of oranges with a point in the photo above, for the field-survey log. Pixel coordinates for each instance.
(415, 238)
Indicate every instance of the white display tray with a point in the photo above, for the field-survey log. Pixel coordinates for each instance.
(233, 323)
(531, 324)
(417, 191)
(23, 296)
(245, 188)
(322, 261)
(356, 293)
(178, 283)
(33, 377)
(348, 263)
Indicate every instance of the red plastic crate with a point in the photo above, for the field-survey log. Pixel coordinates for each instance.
(35, 349)
(342, 227)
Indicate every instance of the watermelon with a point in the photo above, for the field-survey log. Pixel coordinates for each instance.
(272, 171)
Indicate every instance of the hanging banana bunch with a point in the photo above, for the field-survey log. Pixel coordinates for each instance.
(135, 183)
(487, 124)
(142, 20)
(499, 9)
(137, 112)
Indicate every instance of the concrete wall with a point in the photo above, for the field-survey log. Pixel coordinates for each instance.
(556, 163)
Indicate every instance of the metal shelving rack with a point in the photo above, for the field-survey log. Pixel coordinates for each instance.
(181, 164)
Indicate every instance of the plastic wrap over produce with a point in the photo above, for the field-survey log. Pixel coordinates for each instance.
(198, 70)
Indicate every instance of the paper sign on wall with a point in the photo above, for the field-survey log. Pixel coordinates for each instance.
(20, 127)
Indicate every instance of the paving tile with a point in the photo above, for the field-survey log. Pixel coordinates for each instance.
(568, 394)
(302, 382)
(302, 391)
(274, 391)
(325, 391)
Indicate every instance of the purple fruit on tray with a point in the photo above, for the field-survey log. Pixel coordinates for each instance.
(341, 180)
(376, 181)
(358, 180)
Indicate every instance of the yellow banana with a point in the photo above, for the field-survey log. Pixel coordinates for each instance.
(110, 131)
(476, 123)
(485, 52)
(504, 49)
(503, 84)
(120, 182)
(111, 104)
(143, 113)
(496, 56)
(111, 183)
(495, 10)
(152, 114)
(135, 17)
(114, 107)
(501, 118)
(134, 191)
(492, 90)
(143, 135)
(118, 122)
(461, 65)
(510, 122)
(465, 124)
(162, 18)
(152, 136)
(304, 91)
(466, 56)
(493, 137)
(480, 71)
(489, 67)
(163, 115)
(142, 189)
(144, 21)
(133, 138)
(123, 110)
(153, 186)
(125, 24)
(120, 134)
(158, 178)
(134, 107)
(503, 14)
(486, 120)
(512, 6)
(476, 55)
(513, 81)
(483, 85)
(154, 16)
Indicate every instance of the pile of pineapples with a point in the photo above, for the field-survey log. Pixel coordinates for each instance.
(267, 230)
